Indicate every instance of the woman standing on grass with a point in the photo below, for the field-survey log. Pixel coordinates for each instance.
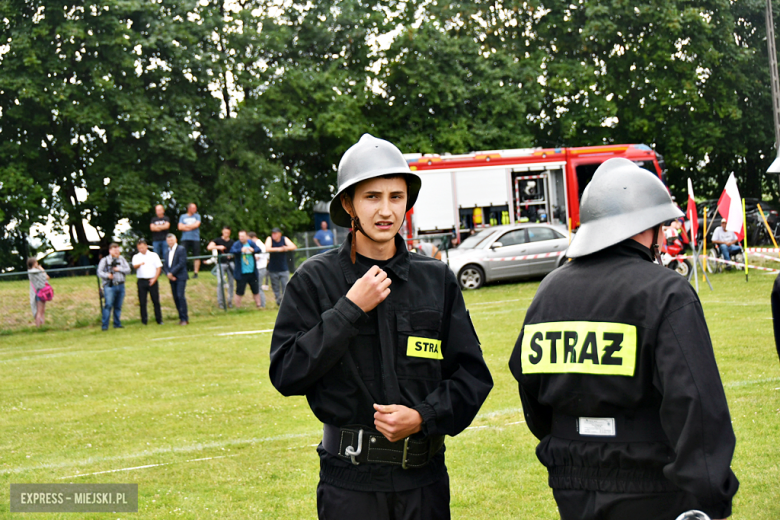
(38, 280)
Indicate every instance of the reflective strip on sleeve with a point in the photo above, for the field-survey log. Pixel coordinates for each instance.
(579, 347)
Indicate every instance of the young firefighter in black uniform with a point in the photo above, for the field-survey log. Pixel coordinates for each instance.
(616, 370)
(380, 343)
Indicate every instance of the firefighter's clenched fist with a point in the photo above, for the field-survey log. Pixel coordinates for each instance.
(370, 290)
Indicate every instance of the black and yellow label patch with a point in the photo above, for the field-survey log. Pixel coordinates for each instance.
(424, 348)
(579, 347)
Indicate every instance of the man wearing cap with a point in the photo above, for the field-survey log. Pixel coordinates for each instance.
(616, 371)
(726, 241)
(381, 344)
(278, 270)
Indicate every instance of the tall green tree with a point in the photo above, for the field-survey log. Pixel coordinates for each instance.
(681, 76)
(444, 92)
(95, 108)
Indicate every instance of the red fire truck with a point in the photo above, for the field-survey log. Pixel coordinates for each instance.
(480, 189)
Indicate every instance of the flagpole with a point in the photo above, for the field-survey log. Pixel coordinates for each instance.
(691, 211)
(695, 272)
(695, 251)
(766, 224)
(704, 246)
(704, 272)
(744, 227)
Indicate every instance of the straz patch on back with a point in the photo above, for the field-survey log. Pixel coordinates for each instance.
(579, 347)
(424, 348)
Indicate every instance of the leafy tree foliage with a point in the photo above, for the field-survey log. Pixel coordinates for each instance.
(245, 107)
(443, 92)
(685, 77)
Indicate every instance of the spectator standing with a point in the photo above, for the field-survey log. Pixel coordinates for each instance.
(148, 267)
(277, 246)
(160, 226)
(189, 225)
(246, 268)
(324, 237)
(38, 280)
(112, 269)
(222, 245)
(261, 259)
(727, 241)
(175, 267)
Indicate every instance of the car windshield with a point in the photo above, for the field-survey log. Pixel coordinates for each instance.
(474, 241)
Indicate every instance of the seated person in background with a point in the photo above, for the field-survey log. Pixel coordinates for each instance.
(727, 241)
(427, 249)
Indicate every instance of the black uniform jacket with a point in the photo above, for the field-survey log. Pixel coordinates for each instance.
(575, 358)
(420, 350)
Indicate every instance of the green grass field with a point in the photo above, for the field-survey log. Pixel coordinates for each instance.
(193, 412)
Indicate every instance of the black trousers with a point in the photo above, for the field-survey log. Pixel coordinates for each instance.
(776, 312)
(177, 288)
(431, 502)
(595, 505)
(154, 292)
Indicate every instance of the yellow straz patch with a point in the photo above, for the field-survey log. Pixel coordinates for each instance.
(424, 348)
(579, 347)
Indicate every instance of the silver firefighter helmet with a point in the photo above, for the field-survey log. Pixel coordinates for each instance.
(369, 158)
(621, 201)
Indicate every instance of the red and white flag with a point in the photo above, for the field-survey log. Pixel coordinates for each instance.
(730, 208)
(690, 213)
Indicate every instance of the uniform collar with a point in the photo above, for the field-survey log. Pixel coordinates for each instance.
(398, 264)
(631, 247)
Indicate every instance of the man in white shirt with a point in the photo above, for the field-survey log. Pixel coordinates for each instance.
(148, 268)
(727, 241)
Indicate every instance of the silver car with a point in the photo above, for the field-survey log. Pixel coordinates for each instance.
(506, 252)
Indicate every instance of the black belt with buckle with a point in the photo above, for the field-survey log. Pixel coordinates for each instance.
(361, 445)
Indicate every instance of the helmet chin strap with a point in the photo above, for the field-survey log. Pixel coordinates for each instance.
(356, 226)
(656, 247)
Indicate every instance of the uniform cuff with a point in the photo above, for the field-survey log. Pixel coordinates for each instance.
(428, 415)
(349, 310)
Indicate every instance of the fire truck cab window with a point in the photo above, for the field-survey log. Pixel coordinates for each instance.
(584, 175)
(647, 165)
